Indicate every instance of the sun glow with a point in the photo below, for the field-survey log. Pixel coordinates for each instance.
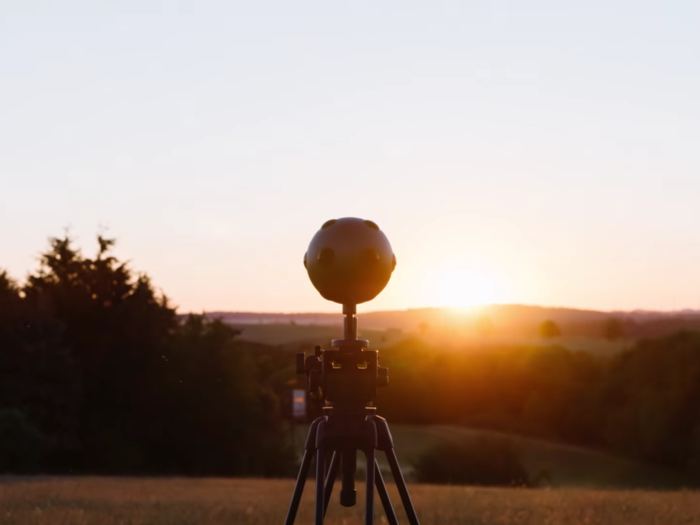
(462, 288)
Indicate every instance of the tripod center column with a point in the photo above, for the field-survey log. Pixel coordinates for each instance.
(350, 322)
(348, 494)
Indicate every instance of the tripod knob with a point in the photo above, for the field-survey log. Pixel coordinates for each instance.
(382, 376)
(313, 370)
(314, 381)
(312, 363)
(301, 363)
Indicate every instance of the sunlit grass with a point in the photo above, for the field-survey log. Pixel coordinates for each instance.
(123, 501)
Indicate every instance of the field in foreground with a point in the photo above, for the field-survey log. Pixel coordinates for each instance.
(124, 501)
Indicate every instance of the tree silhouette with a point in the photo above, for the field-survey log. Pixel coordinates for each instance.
(423, 328)
(99, 375)
(612, 329)
(549, 329)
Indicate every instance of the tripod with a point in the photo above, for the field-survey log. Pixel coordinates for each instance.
(346, 377)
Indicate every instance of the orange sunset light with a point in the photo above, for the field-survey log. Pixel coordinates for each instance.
(464, 287)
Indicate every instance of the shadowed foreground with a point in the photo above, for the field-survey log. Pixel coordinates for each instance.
(129, 501)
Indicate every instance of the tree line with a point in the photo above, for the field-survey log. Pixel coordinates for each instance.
(642, 403)
(98, 374)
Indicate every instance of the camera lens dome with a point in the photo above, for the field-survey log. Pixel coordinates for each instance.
(349, 260)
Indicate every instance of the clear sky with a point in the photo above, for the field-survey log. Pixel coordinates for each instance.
(531, 152)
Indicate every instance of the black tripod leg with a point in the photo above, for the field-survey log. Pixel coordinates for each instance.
(330, 480)
(401, 485)
(309, 449)
(320, 489)
(299, 487)
(369, 503)
(384, 496)
(320, 471)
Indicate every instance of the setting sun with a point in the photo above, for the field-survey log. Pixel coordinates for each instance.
(462, 287)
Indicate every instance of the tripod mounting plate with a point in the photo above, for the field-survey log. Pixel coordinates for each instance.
(349, 344)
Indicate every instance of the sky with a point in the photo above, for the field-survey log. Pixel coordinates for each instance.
(539, 152)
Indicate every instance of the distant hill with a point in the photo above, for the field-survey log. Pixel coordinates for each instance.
(506, 319)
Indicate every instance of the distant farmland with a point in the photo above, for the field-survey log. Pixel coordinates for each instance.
(295, 335)
(519, 321)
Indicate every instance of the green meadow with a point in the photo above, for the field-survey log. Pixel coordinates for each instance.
(550, 463)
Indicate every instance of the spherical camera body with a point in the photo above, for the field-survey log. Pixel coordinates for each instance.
(349, 260)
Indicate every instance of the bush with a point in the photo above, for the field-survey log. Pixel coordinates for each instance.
(21, 444)
(483, 461)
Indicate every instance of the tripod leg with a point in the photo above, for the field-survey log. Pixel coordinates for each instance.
(309, 449)
(330, 479)
(299, 487)
(320, 471)
(384, 496)
(401, 485)
(369, 503)
(320, 489)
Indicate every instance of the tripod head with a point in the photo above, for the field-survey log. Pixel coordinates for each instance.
(349, 261)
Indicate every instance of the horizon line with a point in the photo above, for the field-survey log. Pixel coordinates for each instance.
(459, 308)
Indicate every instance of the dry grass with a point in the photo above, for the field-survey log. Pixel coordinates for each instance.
(120, 501)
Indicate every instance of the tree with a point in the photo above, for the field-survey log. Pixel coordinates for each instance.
(115, 326)
(549, 329)
(220, 406)
(39, 381)
(98, 374)
(612, 329)
(22, 446)
(650, 400)
(423, 328)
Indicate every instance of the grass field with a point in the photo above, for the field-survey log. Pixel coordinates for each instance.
(123, 501)
(564, 465)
